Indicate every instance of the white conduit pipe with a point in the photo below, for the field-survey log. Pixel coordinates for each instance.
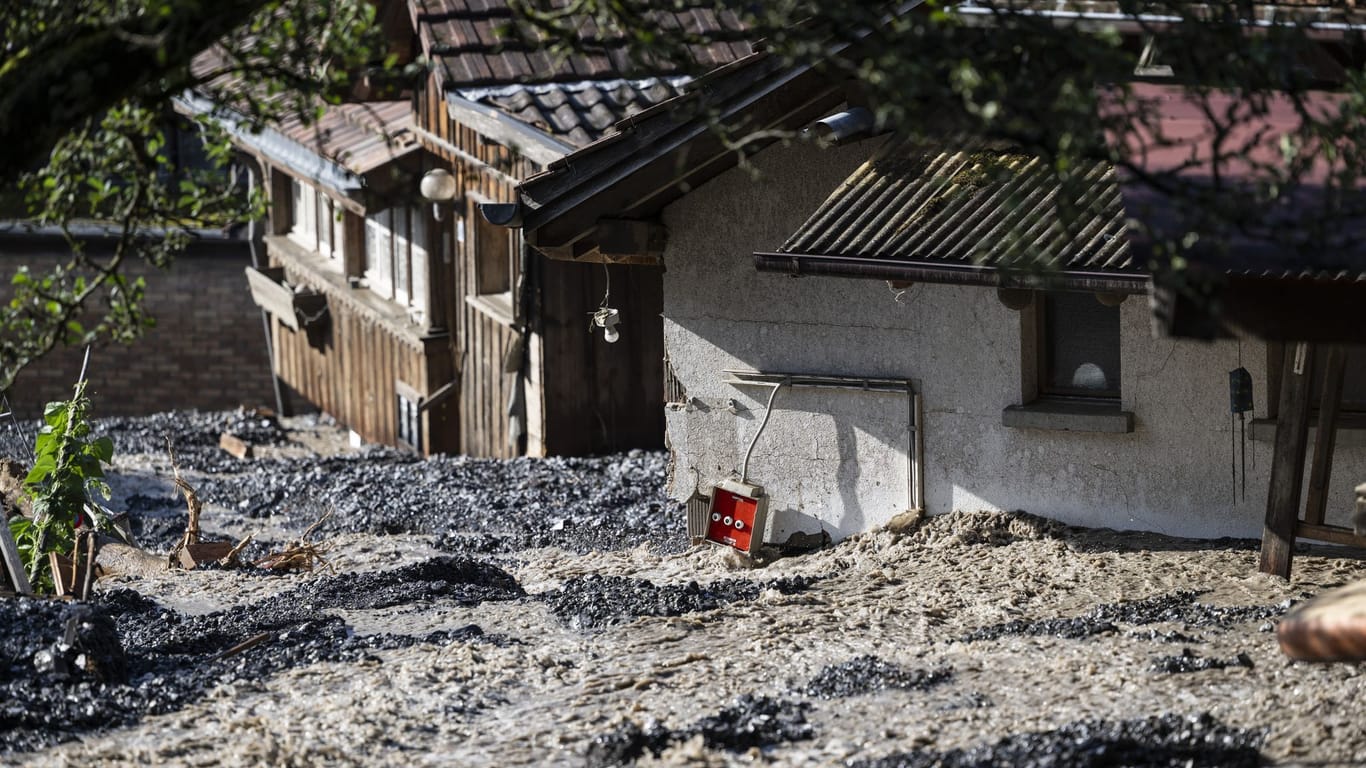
(768, 411)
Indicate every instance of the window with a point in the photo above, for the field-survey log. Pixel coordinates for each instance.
(409, 420)
(1069, 369)
(1078, 347)
(304, 215)
(316, 221)
(396, 256)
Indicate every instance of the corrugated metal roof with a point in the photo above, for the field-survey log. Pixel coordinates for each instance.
(973, 206)
(481, 42)
(576, 114)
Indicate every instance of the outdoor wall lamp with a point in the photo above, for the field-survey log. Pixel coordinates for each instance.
(438, 186)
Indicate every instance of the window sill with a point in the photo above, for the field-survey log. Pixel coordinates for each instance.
(1069, 416)
(498, 306)
(1351, 431)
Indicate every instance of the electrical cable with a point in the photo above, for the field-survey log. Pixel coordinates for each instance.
(768, 411)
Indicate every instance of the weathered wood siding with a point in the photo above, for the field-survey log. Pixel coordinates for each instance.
(602, 397)
(582, 396)
(352, 369)
(481, 340)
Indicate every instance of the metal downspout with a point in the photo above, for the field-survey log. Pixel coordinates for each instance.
(256, 242)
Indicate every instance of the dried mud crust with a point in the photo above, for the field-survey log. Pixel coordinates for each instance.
(928, 644)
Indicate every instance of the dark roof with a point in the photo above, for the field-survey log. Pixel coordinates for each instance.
(576, 114)
(661, 153)
(337, 151)
(463, 38)
(358, 137)
(954, 204)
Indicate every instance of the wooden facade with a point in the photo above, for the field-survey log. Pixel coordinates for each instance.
(497, 359)
(580, 395)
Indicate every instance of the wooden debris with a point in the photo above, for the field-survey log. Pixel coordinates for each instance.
(229, 560)
(190, 552)
(87, 551)
(235, 445)
(192, 556)
(245, 645)
(12, 573)
(63, 573)
(300, 554)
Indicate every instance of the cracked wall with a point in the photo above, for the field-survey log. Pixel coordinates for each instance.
(836, 460)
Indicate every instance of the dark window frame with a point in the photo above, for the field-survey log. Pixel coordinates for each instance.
(1043, 345)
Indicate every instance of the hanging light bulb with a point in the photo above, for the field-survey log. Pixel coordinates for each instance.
(607, 319)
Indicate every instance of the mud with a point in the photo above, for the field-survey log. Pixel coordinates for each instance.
(598, 601)
(1158, 742)
(548, 612)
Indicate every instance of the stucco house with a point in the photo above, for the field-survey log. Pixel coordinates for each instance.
(862, 311)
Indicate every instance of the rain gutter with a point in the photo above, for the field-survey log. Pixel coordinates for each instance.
(802, 265)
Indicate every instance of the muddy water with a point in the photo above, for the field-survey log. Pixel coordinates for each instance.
(972, 639)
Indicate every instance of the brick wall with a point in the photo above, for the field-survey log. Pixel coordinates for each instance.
(207, 350)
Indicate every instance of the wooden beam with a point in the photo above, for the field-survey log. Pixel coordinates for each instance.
(1326, 438)
(1333, 534)
(621, 238)
(1287, 460)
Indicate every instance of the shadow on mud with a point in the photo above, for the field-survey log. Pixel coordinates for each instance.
(75, 668)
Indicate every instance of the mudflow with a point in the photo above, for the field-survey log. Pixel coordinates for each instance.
(549, 612)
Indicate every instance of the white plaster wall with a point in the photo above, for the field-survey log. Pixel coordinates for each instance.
(836, 460)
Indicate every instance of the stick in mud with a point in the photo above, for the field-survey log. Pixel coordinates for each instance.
(193, 504)
(299, 555)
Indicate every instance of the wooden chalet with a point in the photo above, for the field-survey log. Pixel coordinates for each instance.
(416, 322)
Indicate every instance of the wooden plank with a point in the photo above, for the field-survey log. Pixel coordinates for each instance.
(1332, 534)
(11, 563)
(1326, 438)
(1287, 461)
(270, 294)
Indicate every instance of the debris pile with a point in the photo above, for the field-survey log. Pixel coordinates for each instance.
(1176, 607)
(751, 722)
(596, 601)
(64, 665)
(1169, 741)
(1190, 661)
(869, 674)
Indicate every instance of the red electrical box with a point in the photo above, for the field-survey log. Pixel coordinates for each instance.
(737, 515)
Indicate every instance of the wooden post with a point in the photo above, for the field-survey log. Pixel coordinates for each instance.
(1326, 439)
(1287, 460)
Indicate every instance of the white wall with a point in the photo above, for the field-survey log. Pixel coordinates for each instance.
(836, 460)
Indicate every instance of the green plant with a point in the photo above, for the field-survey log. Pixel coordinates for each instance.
(67, 470)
